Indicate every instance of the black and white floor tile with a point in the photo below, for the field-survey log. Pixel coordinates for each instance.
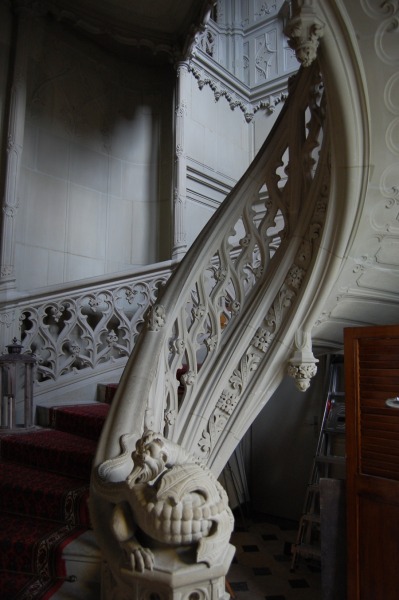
(261, 568)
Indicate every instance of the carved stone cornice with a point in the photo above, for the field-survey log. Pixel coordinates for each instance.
(236, 83)
(234, 96)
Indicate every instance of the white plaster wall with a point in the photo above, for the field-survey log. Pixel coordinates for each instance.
(5, 34)
(220, 145)
(197, 217)
(262, 125)
(95, 183)
(96, 179)
(217, 136)
(284, 438)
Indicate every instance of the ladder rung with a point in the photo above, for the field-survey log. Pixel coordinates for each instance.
(313, 488)
(313, 517)
(308, 550)
(334, 460)
(333, 424)
(335, 430)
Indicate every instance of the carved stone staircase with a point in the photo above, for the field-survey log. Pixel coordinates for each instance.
(237, 313)
(238, 310)
(48, 548)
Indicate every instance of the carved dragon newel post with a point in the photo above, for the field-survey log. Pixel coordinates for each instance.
(161, 517)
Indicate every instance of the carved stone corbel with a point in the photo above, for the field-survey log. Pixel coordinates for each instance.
(302, 364)
(304, 30)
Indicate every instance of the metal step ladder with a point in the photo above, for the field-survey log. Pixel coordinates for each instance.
(329, 462)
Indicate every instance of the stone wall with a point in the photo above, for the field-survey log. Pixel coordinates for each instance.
(95, 180)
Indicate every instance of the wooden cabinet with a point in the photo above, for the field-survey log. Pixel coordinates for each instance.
(372, 428)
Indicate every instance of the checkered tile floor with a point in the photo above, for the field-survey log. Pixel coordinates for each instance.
(261, 567)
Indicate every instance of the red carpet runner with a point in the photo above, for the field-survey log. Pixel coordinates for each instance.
(44, 487)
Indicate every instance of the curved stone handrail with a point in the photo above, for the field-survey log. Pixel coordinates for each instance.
(230, 304)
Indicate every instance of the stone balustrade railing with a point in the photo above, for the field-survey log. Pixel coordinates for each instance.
(79, 332)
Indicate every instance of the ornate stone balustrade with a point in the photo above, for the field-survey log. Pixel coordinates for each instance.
(78, 333)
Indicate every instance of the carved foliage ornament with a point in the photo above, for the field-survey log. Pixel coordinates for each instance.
(302, 365)
(156, 317)
(228, 400)
(7, 318)
(235, 100)
(304, 30)
(302, 373)
(6, 270)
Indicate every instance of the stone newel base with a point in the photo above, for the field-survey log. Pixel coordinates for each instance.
(175, 577)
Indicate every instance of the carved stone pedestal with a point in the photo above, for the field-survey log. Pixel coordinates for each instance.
(175, 576)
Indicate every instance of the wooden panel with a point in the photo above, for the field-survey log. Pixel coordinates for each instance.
(379, 425)
(333, 538)
(379, 451)
(378, 545)
(372, 436)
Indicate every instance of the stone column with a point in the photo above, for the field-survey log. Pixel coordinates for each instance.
(15, 139)
(180, 176)
(238, 49)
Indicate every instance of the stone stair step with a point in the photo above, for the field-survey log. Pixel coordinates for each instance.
(83, 567)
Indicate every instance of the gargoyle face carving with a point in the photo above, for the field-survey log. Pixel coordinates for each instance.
(149, 459)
